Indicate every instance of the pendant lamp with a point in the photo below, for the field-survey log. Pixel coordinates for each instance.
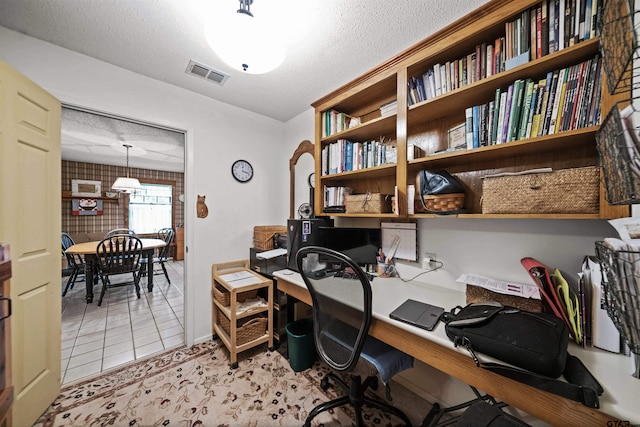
(244, 41)
(126, 184)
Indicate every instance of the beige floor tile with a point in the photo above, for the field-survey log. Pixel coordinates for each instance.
(149, 349)
(174, 341)
(84, 358)
(120, 347)
(79, 372)
(118, 359)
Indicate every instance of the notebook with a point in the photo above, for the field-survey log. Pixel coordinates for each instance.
(416, 313)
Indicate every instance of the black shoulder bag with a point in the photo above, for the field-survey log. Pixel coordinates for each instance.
(535, 343)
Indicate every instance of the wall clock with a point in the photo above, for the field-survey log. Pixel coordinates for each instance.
(311, 180)
(242, 170)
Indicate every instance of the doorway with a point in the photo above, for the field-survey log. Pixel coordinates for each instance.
(124, 328)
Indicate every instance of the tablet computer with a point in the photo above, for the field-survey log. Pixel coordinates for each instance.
(417, 313)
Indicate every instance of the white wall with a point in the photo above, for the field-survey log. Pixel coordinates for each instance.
(217, 134)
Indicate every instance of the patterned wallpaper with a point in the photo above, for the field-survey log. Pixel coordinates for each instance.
(113, 213)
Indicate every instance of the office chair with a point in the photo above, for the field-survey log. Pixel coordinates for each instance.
(165, 234)
(341, 297)
(119, 254)
(75, 262)
(116, 231)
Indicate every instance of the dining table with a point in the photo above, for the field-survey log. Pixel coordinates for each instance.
(88, 251)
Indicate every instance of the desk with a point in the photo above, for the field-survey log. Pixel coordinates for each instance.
(88, 250)
(613, 371)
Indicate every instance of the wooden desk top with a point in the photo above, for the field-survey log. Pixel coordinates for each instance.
(86, 248)
(613, 371)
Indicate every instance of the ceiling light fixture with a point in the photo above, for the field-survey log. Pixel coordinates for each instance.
(245, 42)
(126, 185)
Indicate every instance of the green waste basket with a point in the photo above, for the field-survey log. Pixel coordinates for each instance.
(302, 349)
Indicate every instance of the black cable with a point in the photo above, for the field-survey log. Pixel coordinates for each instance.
(394, 269)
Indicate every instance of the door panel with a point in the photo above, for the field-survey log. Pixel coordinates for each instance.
(30, 222)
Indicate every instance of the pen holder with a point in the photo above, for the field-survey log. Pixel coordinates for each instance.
(382, 268)
(622, 294)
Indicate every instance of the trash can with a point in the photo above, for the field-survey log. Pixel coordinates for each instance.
(302, 349)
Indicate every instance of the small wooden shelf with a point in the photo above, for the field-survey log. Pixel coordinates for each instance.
(66, 195)
(234, 278)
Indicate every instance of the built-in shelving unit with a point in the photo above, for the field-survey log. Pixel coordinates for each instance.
(426, 123)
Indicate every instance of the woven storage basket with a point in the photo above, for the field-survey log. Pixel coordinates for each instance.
(478, 294)
(570, 191)
(443, 202)
(251, 329)
(224, 297)
(368, 203)
(263, 235)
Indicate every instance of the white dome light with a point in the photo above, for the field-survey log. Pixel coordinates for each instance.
(245, 42)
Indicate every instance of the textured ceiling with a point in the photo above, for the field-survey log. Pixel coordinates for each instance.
(329, 42)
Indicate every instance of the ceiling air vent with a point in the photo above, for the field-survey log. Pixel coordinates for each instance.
(207, 73)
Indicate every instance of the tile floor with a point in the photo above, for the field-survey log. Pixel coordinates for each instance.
(124, 328)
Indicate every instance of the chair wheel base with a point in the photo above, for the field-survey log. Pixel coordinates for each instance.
(324, 383)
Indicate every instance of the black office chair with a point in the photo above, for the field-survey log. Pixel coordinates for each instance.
(341, 296)
(165, 234)
(119, 254)
(74, 262)
(116, 231)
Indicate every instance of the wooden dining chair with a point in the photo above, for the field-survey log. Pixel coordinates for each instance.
(165, 234)
(120, 231)
(116, 255)
(74, 262)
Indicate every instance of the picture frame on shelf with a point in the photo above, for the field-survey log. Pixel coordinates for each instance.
(86, 188)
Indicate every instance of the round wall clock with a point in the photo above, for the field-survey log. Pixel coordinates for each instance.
(311, 180)
(242, 170)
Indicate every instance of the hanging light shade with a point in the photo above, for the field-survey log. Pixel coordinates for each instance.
(126, 184)
(244, 41)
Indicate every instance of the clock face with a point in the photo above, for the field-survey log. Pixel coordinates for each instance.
(312, 180)
(242, 170)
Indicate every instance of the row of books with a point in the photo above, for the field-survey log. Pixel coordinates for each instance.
(565, 99)
(334, 121)
(335, 196)
(550, 26)
(345, 156)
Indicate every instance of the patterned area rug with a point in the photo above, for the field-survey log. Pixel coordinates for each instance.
(195, 387)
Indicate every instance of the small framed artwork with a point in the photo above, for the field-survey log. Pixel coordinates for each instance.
(81, 207)
(85, 188)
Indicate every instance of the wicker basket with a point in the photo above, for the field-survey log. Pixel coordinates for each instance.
(221, 295)
(570, 191)
(442, 202)
(368, 203)
(248, 328)
(263, 235)
(479, 294)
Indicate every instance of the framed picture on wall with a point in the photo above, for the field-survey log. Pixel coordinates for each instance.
(85, 188)
(81, 207)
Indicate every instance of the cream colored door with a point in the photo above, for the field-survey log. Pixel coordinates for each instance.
(30, 221)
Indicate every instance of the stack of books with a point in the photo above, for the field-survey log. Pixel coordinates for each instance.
(389, 109)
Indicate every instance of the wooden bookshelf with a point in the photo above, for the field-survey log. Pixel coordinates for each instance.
(426, 123)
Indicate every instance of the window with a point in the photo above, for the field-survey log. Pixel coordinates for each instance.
(150, 209)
